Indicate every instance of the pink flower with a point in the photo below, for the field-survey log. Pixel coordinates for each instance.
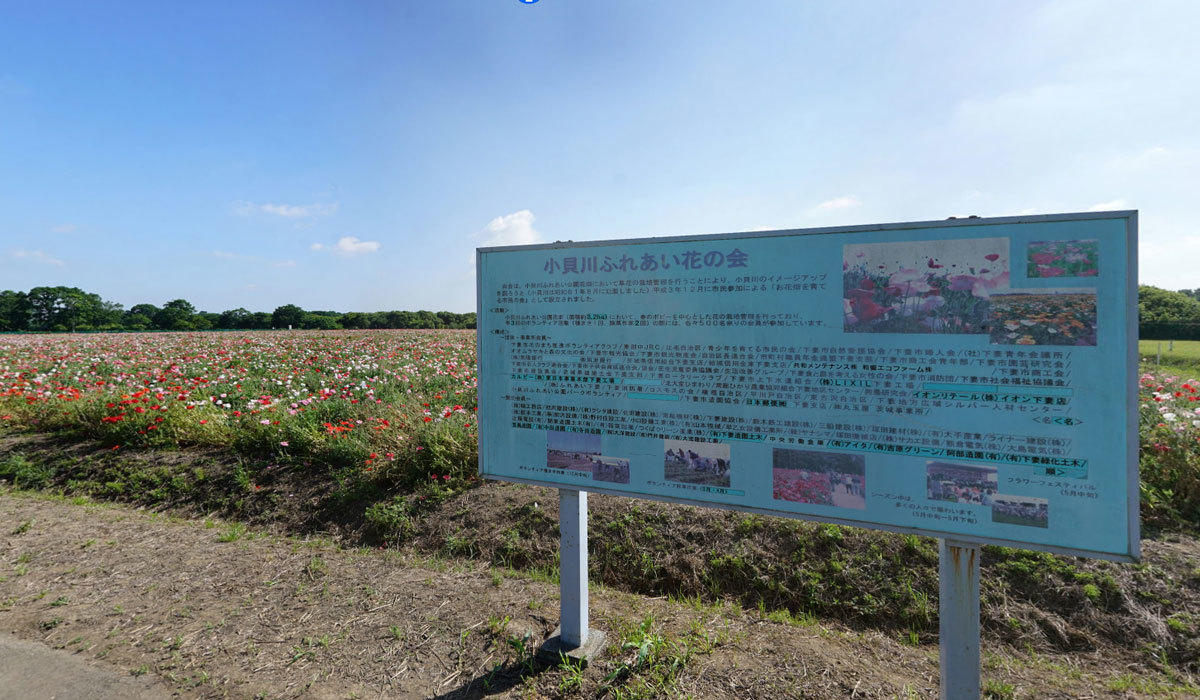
(265, 421)
(932, 302)
(1000, 280)
(904, 275)
(283, 444)
(962, 283)
(1044, 258)
(992, 257)
(866, 310)
(1046, 271)
(909, 282)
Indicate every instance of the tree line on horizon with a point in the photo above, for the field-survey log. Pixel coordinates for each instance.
(67, 309)
(70, 309)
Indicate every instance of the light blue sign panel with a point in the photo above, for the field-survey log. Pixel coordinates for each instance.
(973, 379)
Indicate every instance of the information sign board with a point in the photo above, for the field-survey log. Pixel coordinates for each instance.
(970, 378)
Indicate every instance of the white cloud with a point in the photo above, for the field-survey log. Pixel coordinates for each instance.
(348, 246)
(65, 228)
(284, 263)
(288, 211)
(36, 256)
(1111, 205)
(837, 203)
(511, 229)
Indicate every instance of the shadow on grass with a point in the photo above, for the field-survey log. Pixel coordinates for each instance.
(500, 679)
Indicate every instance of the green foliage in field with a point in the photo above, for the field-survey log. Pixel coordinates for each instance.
(24, 473)
(1180, 358)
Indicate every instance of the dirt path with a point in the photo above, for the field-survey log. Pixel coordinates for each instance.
(211, 610)
(33, 671)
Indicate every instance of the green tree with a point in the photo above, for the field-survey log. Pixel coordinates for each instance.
(62, 308)
(136, 322)
(175, 315)
(208, 317)
(14, 311)
(287, 315)
(109, 316)
(234, 318)
(320, 322)
(1161, 306)
(140, 317)
(354, 319)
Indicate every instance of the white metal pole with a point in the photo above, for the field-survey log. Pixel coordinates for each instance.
(573, 566)
(958, 625)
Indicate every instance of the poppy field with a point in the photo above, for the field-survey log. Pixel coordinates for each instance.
(397, 406)
(922, 286)
(1044, 318)
(1063, 259)
(1169, 462)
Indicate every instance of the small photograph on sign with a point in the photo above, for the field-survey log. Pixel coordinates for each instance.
(571, 450)
(1063, 259)
(922, 286)
(611, 469)
(820, 478)
(960, 483)
(1058, 316)
(1021, 510)
(704, 463)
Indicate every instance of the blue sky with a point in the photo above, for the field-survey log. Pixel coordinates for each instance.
(351, 156)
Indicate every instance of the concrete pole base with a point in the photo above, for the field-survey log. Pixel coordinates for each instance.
(593, 646)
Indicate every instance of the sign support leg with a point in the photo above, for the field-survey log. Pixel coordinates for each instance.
(573, 639)
(958, 626)
(573, 565)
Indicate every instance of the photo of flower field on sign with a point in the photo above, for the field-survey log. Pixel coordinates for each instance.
(1064, 316)
(820, 478)
(1063, 259)
(571, 450)
(922, 286)
(1021, 510)
(689, 462)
